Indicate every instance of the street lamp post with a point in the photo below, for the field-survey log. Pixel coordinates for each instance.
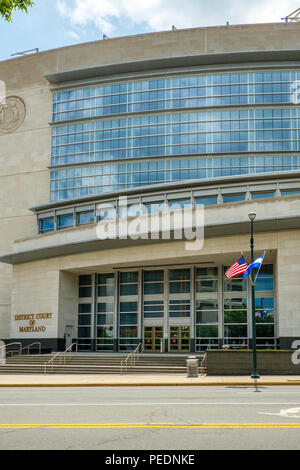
(255, 374)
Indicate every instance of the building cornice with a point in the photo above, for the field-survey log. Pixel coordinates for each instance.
(225, 60)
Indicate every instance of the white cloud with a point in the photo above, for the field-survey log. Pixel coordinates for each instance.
(72, 34)
(157, 15)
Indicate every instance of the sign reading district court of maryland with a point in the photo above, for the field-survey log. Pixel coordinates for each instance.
(12, 114)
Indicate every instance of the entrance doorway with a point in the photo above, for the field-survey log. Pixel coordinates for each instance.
(153, 337)
(68, 336)
(179, 340)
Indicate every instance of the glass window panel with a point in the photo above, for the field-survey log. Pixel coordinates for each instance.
(128, 277)
(156, 288)
(47, 225)
(207, 317)
(264, 302)
(207, 285)
(128, 289)
(65, 221)
(290, 192)
(84, 320)
(84, 332)
(105, 307)
(128, 307)
(128, 332)
(105, 319)
(206, 272)
(206, 201)
(85, 292)
(235, 331)
(207, 304)
(108, 278)
(84, 308)
(233, 197)
(85, 217)
(261, 195)
(207, 331)
(235, 303)
(85, 280)
(235, 316)
(265, 331)
(128, 318)
(266, 270)
(153, 276)
(179, 274)
(179, 287)
(106, 291)
(236, 284)
(105, 332)
(264, 284)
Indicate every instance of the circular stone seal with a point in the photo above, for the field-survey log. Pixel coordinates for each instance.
(12, 114)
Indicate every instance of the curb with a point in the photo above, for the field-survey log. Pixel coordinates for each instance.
(154, 384)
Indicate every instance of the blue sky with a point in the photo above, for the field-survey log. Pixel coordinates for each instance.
(56, 23)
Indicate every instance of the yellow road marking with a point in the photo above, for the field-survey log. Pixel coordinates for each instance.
(151, 425)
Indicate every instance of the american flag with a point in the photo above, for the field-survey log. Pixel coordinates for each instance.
(238, 267)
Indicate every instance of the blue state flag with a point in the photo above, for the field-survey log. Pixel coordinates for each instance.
(256, 264)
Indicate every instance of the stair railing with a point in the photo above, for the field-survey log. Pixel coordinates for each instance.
(11, 344)
(202, 366)
(29, 346)
(51, 361)
(131, 358)
(60, 354)
(69, 350)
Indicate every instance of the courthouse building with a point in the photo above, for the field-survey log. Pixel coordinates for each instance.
(169, 120)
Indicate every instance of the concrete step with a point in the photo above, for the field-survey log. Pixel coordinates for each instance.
(94, 364)
(73, 369)
(96, 361)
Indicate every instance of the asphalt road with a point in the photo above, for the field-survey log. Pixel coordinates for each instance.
(150, 418)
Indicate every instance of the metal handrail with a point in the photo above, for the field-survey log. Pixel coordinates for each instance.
(203, 363)
(70, 348)
(10, 344)
(60, 354)
(51, 361)
(132, 357)
(36, 342)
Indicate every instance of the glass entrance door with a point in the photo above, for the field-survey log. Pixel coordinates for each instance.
(179, 339)
(153, 336)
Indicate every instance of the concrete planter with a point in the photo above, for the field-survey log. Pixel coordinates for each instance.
(239, 362)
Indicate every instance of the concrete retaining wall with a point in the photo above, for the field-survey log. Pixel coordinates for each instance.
(237, 362)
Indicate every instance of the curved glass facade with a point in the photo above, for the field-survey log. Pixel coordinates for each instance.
(253, 130)
(173, 145)
(224, 89)
(96, 179)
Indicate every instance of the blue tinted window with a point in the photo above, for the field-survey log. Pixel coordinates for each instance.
(65, 221)
(233, 197)
(262, 195)
(85, 217)
(47, 225)
(290, 192)
(206, 200)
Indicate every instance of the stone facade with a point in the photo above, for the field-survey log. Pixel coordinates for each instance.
(50, 285)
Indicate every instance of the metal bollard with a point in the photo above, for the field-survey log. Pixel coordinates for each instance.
(192, 364)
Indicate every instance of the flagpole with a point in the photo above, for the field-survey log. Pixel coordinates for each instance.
(255, 374)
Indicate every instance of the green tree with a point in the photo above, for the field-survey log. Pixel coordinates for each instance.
(7, 7)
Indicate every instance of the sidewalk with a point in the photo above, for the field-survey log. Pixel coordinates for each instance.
(98, 380)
